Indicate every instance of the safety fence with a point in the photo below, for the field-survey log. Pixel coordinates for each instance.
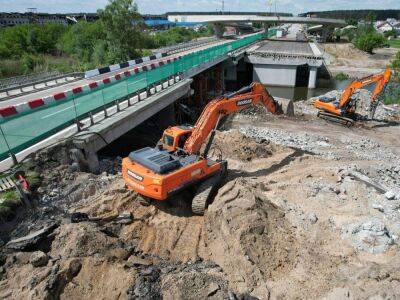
(23, 130)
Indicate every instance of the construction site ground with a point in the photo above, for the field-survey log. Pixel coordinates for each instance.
(346, 58)
(292, 220)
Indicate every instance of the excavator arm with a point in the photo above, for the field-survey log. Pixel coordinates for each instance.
(381, 80)
(225, 105)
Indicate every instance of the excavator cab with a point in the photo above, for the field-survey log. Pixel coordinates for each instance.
(175, 137)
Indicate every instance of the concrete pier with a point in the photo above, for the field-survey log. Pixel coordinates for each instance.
(285, 63)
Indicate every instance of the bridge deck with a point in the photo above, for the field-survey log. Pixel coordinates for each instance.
(68, 86)
(286, 47)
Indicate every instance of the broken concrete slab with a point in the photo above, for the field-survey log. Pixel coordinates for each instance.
(31, 240)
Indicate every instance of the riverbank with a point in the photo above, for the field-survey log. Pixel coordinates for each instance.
(347, 59)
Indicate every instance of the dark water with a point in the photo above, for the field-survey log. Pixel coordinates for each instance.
(303, 93)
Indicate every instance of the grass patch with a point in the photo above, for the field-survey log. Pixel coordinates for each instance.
(391, 100)
(10, 200)
(394, 43)
(341, 76)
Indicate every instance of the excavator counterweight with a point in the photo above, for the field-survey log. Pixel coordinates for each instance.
(176, 162)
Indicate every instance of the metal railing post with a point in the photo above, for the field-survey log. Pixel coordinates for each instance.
(78, 124)
(104, 104)
(12, 155)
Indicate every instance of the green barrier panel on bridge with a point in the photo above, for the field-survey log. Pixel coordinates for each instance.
(26, 129)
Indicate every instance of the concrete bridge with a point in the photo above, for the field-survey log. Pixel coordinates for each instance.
(229, 19)
(103, 110)
(221, 20)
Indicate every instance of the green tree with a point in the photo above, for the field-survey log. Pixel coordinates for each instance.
(392, 94)
(81, 39)
(123, 29)
(352, 21)
(389, 33)
(366, 38)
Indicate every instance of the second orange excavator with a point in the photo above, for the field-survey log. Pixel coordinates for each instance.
(176, 162)
(343, 110)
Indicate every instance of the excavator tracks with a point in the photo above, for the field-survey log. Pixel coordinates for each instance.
(199, 202)
(336, 119)
(207, 190)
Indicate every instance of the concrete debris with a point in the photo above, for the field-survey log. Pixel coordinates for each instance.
(212, 289)
(38, 259)
(32, 240)
(372, 236)
(390, 195)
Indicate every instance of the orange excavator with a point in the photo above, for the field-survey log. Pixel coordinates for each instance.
(176, 163)
(343, 110)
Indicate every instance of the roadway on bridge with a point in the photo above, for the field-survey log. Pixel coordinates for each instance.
(69, 86)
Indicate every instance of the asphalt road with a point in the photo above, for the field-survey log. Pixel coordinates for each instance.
(69, 86)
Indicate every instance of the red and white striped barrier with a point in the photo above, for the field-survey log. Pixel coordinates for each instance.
(38, 103)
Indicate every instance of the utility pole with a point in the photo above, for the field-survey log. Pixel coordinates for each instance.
(223, 6)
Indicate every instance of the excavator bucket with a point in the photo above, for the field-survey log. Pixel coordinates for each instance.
(285, 106)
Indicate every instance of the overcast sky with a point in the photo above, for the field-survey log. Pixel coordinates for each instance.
(162, 6)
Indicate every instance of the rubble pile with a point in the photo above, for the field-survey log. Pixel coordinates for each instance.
(305, 206)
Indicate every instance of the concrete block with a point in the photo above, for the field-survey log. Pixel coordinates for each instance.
(143, 96)
(152, 91)
(133, 100)
(165, 84)
(171, 82)
(158, 88)
(177, 78)
(114, 67)
(92, 73)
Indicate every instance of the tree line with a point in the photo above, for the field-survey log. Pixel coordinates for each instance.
(118, 35)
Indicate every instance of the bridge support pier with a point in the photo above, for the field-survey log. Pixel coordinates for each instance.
(312, 80)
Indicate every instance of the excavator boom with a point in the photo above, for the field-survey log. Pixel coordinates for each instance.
(225, 105)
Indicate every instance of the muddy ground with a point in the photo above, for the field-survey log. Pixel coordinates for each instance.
(290, 221)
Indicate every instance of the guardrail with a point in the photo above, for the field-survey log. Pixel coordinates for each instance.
(186, 45)
(23, 130)
(18, 88)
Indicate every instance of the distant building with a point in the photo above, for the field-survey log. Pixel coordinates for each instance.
(13, 19)
(385, 27)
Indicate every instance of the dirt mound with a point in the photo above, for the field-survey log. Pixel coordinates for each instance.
(236, 145)
(166, 229)
(249, 238)
(83, 239)
(100, 279)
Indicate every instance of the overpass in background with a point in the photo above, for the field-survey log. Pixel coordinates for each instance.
(229, 19)
(235, 20)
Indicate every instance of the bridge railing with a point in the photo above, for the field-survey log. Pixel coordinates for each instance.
(23, 130)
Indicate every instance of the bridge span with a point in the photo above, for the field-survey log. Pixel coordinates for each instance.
(254, 18)
(105, 108)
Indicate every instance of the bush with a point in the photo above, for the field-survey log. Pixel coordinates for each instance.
(341, 76)
(392, 93)
(389, 33)
(369, 40)
(10, 201)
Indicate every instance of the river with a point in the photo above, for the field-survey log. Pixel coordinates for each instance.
(303, 93)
